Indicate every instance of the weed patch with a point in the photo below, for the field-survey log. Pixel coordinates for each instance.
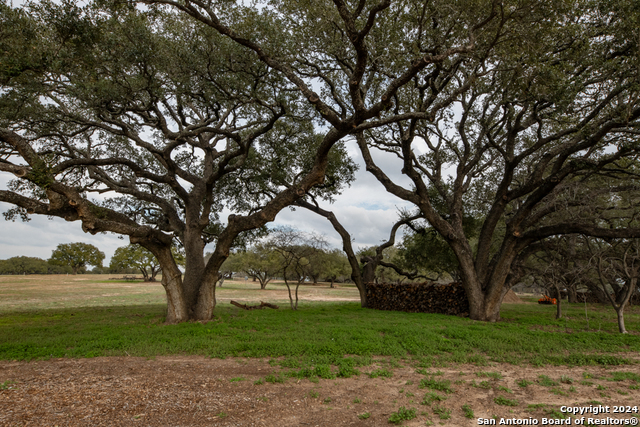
(403, 414)
(439, 385)
(468, 412)
(500, 400)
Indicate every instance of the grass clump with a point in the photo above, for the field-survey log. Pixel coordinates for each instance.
(442, 412)
(383, 372)
(565, 379)
(501, 400)
(403, 414)
(545, 381)
(622, 376)
(524, 383)
(493, 375)
(272, 378)
(468, 412)
(364, 416)
(431, 397)
(434, 384)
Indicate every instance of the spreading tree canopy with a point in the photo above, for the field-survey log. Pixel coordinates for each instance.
(149, 121)
(76, 256)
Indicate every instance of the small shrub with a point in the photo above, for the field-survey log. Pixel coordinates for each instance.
(327, 400)
(272, 378)
(545, 381)
(505, 389)
(364, 416)
(324, 371)
(356, 400)
(468, 412)
(565, 379)
(259, 381)
(442, 412)
(313, 394)
(485, 385)
(403, 414)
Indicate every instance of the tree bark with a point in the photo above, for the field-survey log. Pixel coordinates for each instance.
(621, 326)
(558, 301)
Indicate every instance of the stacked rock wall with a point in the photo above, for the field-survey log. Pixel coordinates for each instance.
(419, 298)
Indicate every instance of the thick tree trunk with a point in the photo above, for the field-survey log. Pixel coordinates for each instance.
(572, 294)
(369, 271)
(484, 304)
(176, 304)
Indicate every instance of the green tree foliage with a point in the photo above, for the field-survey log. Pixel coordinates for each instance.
(76, 256)
(135, 257)
(259, 262)
(29, 265)
(330, 265)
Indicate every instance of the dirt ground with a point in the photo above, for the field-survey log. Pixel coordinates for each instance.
(197, 391)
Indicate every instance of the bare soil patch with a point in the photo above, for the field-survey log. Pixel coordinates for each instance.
(197, 391)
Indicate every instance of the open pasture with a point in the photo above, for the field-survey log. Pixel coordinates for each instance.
(86, 349)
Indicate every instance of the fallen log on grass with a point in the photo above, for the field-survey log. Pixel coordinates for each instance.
(254, 307)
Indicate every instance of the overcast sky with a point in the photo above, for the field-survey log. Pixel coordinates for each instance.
(365, 209)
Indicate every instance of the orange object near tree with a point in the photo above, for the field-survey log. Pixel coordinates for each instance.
(546, 300)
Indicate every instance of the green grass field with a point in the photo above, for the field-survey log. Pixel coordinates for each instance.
(41, 318)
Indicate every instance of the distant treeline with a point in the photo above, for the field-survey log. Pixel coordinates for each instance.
(34, 265)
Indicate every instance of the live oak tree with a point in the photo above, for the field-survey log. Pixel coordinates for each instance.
(541, 111)
(147, 124)
(76, 256)
(259, 262)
